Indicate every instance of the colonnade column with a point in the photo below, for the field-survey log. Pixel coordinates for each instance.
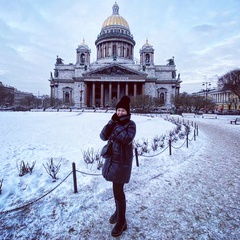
(135, 90)
(110, 93)
(93, 94)
(118, 91)
(102, 94)
(126, 89)
(143, 89)
(52, 92)
(70, 97)
(85, 95)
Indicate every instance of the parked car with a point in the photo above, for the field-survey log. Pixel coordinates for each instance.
(199, 112)
(21, 108)
(229, 112)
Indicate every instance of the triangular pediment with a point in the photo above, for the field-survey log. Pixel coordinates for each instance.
(114, 70)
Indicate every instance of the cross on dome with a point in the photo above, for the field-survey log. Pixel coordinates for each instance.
(115, 9)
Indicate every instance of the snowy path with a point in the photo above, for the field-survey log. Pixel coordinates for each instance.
(201, 200)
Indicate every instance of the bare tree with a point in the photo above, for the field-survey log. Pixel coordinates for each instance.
(189, 103)
(144, 103)
(6, 95)
(230, 81)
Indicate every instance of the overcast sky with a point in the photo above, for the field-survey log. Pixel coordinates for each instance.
(202, 35)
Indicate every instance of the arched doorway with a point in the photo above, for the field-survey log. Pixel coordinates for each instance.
(162, 94)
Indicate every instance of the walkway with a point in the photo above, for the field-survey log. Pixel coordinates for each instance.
(198, 200)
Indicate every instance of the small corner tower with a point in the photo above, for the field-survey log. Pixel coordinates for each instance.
(83, 54)
(147, 54)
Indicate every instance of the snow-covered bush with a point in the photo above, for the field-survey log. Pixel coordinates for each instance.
(25, 168)
(90, 156)
(99, 160)
(157, 142)
(173, 136)
(181, 130)
(52, 169)
(142, 147)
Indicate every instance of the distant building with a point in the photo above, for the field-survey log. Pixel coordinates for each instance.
(6, 95)
(13, 97)
(224, 99)
(19, 96)
(115, 72)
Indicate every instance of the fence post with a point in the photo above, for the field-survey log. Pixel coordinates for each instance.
(197, 130)
(1, 182)
(74, 177)
(194, 135)
(187, 140)
(136, 154)
(170, 147)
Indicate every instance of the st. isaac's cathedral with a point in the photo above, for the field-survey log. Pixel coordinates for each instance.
(115, 72)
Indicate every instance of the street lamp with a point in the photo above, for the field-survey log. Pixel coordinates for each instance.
(206, 90)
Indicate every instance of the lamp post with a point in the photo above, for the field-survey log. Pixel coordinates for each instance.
(206, 90)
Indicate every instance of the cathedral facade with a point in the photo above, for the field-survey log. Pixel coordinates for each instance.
(115, 72)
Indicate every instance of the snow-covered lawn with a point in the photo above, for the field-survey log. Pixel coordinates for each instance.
(61, 214)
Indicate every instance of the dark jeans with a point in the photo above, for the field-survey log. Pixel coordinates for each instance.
(118, 192)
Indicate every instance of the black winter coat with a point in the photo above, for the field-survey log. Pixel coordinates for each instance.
(122, 132)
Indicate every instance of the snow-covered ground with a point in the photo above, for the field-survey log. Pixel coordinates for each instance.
(192, 194)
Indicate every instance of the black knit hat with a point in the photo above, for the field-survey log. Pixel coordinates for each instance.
(124, 103)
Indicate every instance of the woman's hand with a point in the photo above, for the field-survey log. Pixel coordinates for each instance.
(115, 118)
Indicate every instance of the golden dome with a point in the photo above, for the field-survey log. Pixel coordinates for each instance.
(115, 18)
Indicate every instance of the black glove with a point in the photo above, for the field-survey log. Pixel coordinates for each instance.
(115, 117)
(110, 126)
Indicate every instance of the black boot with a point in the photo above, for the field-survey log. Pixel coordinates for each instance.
(113, 218)
(121, 224)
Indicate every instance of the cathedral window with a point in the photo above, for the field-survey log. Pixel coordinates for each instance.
(173, 74)
(114, 50)
(104, 52)
(128, 54)
(82, 58)
(161, 98)
(147, 58)
(66, 98)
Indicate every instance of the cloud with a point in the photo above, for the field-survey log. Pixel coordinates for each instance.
(205, 28)
(202, 36)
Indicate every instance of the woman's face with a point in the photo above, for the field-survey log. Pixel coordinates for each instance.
(121, 112)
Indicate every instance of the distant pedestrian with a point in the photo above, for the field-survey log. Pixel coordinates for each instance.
(120, 130)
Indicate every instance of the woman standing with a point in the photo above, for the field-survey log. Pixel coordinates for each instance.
(120, 130)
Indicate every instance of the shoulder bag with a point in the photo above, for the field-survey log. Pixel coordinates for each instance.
(107, 150)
